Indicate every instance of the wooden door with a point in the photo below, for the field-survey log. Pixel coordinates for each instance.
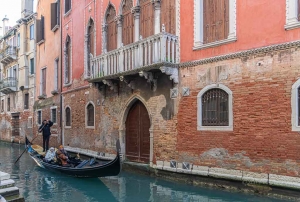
(137, 133)
(168, 16)
(15, 125)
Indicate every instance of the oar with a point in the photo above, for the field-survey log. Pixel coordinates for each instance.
(25, 149)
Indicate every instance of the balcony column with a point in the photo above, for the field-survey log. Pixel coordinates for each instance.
(156, 16)
(136, 15)
(104, 38)
(119, 20)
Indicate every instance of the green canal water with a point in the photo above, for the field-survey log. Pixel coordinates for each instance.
(39, 185)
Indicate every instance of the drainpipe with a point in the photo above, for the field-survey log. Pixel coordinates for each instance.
(61, 86)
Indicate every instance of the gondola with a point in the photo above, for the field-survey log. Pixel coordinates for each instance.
(87, 167)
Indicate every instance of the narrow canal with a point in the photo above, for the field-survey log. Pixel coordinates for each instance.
(39, 185)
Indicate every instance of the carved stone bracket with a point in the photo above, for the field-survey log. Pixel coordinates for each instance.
(136, 10)
(150, 79)
(172, 72)
(131, 84)
(113, 86)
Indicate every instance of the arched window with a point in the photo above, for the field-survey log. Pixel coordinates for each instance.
(68, 60)
(90, 114)
(296, 106)
(68, 116)
(214, 110)
(90, 45)
(146, 18)
(111, 28)
(128, 23)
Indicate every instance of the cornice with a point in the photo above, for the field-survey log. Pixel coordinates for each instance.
(241, 54)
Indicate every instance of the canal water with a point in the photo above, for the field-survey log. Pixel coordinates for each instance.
(39, 185)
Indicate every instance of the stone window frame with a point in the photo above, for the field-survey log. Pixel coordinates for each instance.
(66, 84)
(86, 52)
(70, 126)
(200, 127)
(53, 107)
(69, 11)
(295, 106)
(291, 21)
(86, 115)
(37, 117)
(198, 26)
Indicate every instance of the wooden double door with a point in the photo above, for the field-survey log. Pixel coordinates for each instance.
(137, 133)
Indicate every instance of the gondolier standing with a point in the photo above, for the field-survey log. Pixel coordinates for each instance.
(45, 128)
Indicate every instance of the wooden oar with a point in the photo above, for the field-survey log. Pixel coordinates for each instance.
(25, 150)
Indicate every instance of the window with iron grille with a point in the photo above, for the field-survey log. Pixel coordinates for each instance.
(53, 115)
(8, 104)
(67, 6)
(26, 101)
(90, 115)
(39, 117)
(68, 116)
(215, 108)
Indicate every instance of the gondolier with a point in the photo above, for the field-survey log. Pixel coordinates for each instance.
(45, 128)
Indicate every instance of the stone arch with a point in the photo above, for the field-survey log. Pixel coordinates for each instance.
(86, 114)
(107, 10)
(122, 126)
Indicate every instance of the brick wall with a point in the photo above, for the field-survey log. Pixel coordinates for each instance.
(262, 139)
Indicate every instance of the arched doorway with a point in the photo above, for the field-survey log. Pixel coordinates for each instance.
(137, 133)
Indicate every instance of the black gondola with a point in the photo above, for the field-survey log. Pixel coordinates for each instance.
(88, 167)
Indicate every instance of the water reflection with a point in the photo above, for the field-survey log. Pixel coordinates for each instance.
(37, 184)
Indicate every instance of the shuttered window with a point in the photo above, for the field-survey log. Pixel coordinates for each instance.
(68, 116)
(55, 13)
(91, 45)
(8, 104)
(146, 18)
(168, 15)
(128, 23)
(215, 108)
(215, 20)
(67, 6)
(111, 28)
(43, 82)
(26, 101)
(40, 30)
(68, 60)
(298, 11)
(90, 115)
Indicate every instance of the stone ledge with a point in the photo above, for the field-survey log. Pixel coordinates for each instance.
(4, 176)
(7, 183)
(10, 191)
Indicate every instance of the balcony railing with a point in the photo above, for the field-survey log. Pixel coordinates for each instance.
(8, 54)
(8, 85)
(157, 49)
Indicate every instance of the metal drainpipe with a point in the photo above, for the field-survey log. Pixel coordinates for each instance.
(61, 86)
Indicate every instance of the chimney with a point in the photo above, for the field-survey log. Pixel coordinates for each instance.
(5, 27)
(26, 8)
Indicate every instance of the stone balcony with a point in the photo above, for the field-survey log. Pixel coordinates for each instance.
(8, 85)
(155, 53)
(8, 55)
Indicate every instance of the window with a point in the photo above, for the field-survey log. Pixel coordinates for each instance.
(214, 23)
(68, 60)
(111, 28)
(43, 82)
(26, 101)
(90, 114)
(67, 6)
(2, 105)
(292, 14)
(128, 23)
(53, 115)
(39, 117)
(40, 30)
(56, 64)
(296, 106)
(55, 13)
(31, 31)
(215, 108)
(29, 123)
(68, 116)
(8, 104)
(18, 42)
(32, 66)
(90, 45)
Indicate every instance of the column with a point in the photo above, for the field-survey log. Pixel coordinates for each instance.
(104, 38)
(136, 15)
(119, 20)
(157, 16)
